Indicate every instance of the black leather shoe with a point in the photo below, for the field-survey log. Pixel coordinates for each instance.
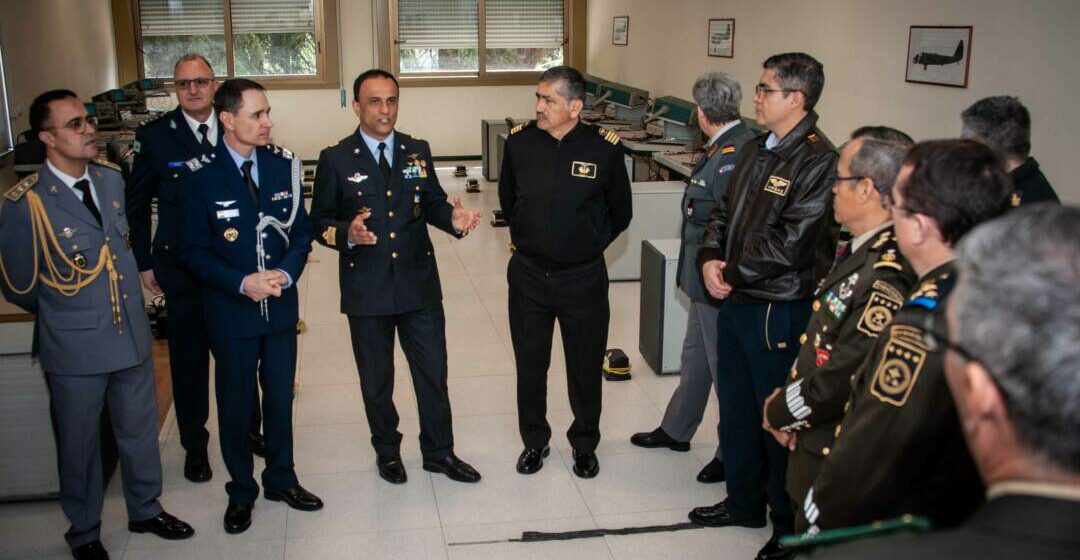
(711, 473)
(585, 464)
(453, 468)
(163, 525)
(658, 438)
(531, 459)
(719, 516)
(197, 467)
(237, 518)
(92, 550)
(391, 469)
(258, 445)
(296, 497)
(773, 550)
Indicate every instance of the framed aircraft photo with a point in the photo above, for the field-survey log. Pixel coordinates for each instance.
(620, 30)
(722, 38)
(939, 55)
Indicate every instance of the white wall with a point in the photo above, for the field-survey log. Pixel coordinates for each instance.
(1018, 48)
(51, 44)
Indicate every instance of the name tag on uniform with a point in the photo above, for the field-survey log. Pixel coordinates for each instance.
(230, 213)
(583, 169)
(777, 185)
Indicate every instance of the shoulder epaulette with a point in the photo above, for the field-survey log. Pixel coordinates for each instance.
(194, 164)
(888, 258)
(15, 193)
(153, 117)
(608, 135)
(279, 151)
(521, 126)
(105, 163)
(930, 293)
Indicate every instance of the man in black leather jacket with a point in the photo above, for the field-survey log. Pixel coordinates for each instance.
(758, 256)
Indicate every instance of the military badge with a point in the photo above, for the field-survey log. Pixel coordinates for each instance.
(79, 259)
(583, 169)
(847, 287)
(67, 232)
(231, 234)
(879, 312)
(777, 185)
(822, 356)
(900, 365)
(1016, 198)
(356, 177)
(834, 306)
(725, 169)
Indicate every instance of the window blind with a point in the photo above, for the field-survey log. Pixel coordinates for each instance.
(524, 24)
(438, 24)
(181, 17)
(273, 16)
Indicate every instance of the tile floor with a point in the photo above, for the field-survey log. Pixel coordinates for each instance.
(432, 517)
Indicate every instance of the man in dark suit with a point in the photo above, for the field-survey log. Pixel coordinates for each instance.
(375, 194)
(1011, 356)
(161, 148)
(246, 237)
(93, 332)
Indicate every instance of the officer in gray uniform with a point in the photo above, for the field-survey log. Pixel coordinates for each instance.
(66, 256)
(718, 96)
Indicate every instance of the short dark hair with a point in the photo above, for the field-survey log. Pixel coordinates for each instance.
(573, 86)
(1001, 122)
(39, 109)
(230, 96)
(367, 75)
(883, 133)
(879, 161)
(799, 72)
(193, 56)
(958, 183)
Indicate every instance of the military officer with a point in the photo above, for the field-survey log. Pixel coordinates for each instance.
(854, 303)
(718, 96)
(161, 148)
(565, 193)
(65, 256)
(375, 194)
(900, 449)
(246, 238)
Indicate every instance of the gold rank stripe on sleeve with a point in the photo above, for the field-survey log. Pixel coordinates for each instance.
(15, 193)
(898, 369)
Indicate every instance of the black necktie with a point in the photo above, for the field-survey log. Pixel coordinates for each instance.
(87, 199)
(250, 181)
(204, 129)
(384, 166)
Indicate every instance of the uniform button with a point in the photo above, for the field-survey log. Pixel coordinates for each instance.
(817, 305)
(389, 192)
(824, 328)
(393, 235)
(417, 187)
(264, 235)
(260, 214)
(121, 276)
(393, 255)
(351, 265)
(391, 213)
(74, 247)
(166, 246)
(825, 451)
(802, 339)
(125, 296)
(107, 239)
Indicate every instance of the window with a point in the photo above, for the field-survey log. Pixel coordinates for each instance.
(478, 41)
(6, 143)
(274, 41)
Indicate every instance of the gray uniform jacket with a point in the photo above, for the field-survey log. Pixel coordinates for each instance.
(76, 334)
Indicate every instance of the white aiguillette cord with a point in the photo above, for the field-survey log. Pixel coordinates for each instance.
(280, 227)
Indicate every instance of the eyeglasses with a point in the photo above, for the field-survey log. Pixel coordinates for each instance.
(836, 178)
(762, 89)
(199, 83)
(78, 124)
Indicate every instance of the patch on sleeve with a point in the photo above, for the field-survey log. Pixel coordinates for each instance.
(725, 169)
(901, 362)
(880, 308)
(728, 149)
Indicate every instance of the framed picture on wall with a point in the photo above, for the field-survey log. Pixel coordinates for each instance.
(939, 55)
(722, 38)
(620, 30)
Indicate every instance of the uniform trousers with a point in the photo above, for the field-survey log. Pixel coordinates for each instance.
(578, 299)
(423, 340)
(77, 402)
(189, 355)
(757, 344)
(697, 375)
(241, 365)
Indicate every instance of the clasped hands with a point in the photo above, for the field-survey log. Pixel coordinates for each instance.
(785, 439)
(261, 285)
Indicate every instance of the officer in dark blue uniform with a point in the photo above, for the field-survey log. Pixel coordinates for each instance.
(161, 148)
(375, 194)
(246, 237)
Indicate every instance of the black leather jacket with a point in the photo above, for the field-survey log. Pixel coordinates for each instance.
(767, 226)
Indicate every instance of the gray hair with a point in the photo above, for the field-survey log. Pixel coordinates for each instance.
(1018, 312)
(193, 56)
(1001, 122)
(719, 96)
(879, 161)
(573, 83)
